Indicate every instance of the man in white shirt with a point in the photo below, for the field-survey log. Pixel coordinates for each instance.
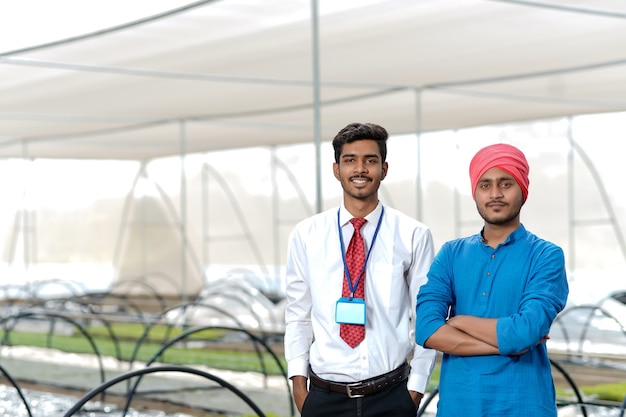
(369, 376)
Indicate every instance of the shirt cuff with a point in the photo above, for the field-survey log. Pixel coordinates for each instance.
(417, 382)
(297, 367)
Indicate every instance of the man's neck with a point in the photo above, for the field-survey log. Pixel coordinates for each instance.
(494, 235)
(360, 208)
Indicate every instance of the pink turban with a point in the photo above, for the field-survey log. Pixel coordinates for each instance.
(505, 157)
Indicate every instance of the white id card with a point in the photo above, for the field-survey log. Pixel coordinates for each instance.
(350, 311)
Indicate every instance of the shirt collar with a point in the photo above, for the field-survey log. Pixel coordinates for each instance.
(345, 216)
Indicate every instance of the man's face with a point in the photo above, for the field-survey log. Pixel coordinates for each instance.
(360, 169)
(498, 197)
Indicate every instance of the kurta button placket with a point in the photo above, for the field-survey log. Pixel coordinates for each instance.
(484, 293)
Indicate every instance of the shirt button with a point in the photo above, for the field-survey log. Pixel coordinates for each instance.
(488, 273)
(484, 294)
(493, 256)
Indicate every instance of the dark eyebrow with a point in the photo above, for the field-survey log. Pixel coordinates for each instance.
(352, 155)
(507, 178)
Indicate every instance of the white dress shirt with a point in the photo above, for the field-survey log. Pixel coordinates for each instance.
(397, 267)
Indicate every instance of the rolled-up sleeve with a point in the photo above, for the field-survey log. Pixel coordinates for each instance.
(434, 299)
(544, 297)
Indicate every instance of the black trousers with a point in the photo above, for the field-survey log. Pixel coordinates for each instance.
(394, 401)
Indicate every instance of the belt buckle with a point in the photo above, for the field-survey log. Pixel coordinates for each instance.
(349, 391)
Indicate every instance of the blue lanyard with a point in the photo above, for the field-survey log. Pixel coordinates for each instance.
(343, 252)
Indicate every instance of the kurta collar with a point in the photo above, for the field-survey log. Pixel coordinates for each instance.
(517, 234)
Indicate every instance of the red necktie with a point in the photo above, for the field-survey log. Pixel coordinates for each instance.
(353, 334)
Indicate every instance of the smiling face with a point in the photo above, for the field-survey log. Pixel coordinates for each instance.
(360, 170)
(498, 198)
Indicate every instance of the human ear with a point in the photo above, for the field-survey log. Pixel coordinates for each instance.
(383, 172)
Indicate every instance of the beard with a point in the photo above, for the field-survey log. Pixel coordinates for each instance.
(500, 219)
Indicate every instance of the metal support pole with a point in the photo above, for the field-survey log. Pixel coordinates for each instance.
(571, 199)
(317, 131)
(26, 209)
(183, 214)
(275, 213)
(418, 134)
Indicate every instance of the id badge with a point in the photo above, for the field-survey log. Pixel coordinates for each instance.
(350, 311)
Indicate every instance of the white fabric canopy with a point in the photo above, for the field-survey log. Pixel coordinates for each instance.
(240, 73)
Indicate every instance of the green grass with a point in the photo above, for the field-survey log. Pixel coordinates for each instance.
(607, 392)
(196, 349)
(604, 392)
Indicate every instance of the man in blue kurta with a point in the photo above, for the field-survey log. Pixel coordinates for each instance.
(490, 300)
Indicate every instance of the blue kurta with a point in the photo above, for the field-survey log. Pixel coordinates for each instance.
(522, 283)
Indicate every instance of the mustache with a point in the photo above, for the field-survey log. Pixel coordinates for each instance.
(497, 202)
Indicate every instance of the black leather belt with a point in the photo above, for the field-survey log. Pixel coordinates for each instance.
(363, 388)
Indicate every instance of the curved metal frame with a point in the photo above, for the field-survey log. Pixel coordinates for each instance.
(235, 298)
(142, 281)
(593, 310)
(15, 318)
(18, 389)
(165, 368)
(573, 385)
(150, 325)
(255, 339)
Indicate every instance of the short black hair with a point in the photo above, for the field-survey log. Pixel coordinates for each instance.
(360, 131)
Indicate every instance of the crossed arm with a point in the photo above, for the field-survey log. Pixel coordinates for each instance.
(466, 336)
(469, 336)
